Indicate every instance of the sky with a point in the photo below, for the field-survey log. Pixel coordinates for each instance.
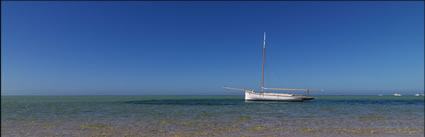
(196, 48)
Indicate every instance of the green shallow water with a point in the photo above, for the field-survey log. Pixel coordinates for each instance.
(210, 116)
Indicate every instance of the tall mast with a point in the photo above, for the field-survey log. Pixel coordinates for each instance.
(264, 53)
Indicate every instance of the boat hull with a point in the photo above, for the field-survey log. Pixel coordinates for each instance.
(305, 97)
(265, 97)
(308, 98)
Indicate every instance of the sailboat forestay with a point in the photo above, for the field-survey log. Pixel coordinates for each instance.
(251, 95)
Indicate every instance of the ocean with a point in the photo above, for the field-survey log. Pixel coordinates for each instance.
(330, 116)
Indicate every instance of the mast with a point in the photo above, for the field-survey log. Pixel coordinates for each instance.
(264, 53)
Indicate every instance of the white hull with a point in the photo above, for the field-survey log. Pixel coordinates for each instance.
(252, 96)
(396, 94)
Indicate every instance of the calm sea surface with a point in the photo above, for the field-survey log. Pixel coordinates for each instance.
(210, 116)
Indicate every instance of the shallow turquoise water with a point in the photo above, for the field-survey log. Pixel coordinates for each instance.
(210, 116)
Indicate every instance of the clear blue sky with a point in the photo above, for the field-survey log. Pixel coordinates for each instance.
(148, 48)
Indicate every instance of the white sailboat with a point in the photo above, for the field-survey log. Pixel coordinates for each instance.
(251, 95)
(397, 94)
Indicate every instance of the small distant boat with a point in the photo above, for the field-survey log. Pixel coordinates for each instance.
(417, 94)
(396, 94)
(251, 95)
